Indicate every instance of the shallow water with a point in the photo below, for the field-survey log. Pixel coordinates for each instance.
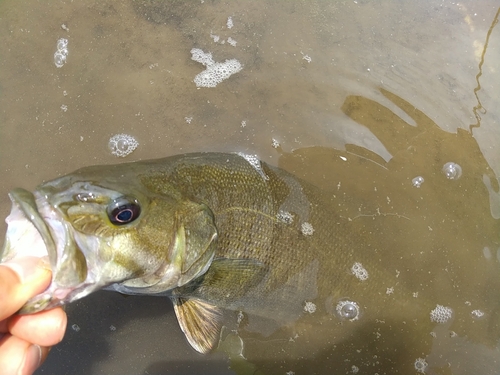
(362, 97)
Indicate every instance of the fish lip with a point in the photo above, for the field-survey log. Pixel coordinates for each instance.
(26, 202)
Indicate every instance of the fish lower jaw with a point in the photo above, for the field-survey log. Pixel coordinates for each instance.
(56, 296)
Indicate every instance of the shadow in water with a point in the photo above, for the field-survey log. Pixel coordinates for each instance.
(109, 333)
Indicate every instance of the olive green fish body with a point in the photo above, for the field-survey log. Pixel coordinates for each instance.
(280, 247)
(212, 231)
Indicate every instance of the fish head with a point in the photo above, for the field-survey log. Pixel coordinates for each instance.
(105, 227)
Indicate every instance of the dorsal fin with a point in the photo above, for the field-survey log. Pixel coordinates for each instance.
(201, 322)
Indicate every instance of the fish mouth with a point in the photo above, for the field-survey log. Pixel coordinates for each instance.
(38, 230)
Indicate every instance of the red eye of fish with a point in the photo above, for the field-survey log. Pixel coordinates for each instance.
(123, 211)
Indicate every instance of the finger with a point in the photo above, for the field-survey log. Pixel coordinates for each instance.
(45, 328)
(20, 280)
(18, 357)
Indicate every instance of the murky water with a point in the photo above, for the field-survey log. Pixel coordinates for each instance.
(367, 100)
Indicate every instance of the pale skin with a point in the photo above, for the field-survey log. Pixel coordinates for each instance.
(25, 340)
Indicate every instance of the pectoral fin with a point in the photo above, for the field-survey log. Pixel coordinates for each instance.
(201, 322)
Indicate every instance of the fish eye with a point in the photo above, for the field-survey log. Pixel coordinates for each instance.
(123, 210)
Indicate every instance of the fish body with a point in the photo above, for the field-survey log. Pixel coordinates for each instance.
(211, 231)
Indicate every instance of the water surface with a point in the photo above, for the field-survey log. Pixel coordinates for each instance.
(362, 98)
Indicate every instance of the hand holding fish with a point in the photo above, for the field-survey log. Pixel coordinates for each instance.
(25, 340)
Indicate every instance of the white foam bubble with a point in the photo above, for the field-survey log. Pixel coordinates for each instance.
(452, 171)
(347, 310)
(441, 314)
(122, 144)
(477, 314)
(359, 271)
(239, 317)
(309, 307)
(61, 53)
(254, 162)
(215, 72)
(307, 229)
(417, 181)
(285, 217)
(420, 365)
(203, 58)
(229, 22)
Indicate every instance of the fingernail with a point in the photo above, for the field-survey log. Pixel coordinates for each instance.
(31, 360)
(28, 267)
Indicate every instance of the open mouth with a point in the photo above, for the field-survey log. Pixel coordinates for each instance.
(28, 235)
(31, 234)
(27, 232)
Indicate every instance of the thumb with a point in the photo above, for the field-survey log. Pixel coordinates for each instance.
(20, 279)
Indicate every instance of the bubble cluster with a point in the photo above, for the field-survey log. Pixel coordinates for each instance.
(229, 22)
(203, 58)
(254, 162)
(348, 310)
(285, 217)
(61, 54)
(420, 365)
(441, 314)
(359, 271)
(417, 181)
(240, 317)
(215, 72)
(122, 144)
(477, 314)
(452, 171)
(307, 229)
(309, 307)
(75, 327)
(112, 328)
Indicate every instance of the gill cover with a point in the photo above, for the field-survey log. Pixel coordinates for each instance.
(191, 253)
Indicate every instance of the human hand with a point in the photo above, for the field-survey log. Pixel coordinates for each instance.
(25, 340)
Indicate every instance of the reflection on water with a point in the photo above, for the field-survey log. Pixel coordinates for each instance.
(362, 97)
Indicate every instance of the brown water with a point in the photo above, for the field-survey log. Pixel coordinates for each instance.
(396, 88)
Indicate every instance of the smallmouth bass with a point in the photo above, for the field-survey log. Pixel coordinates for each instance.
(211, 231)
